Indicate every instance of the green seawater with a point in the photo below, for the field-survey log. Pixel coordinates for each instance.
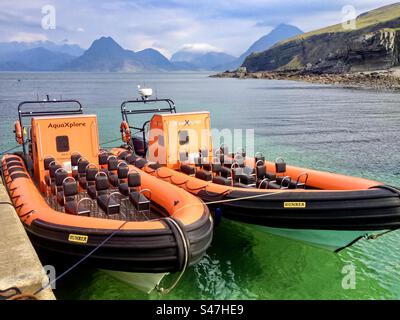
(347, 131)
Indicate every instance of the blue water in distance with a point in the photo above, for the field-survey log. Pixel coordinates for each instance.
(347, 131)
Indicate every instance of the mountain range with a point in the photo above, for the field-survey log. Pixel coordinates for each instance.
(106, 55)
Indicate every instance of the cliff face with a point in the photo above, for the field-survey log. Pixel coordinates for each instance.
(371, 48)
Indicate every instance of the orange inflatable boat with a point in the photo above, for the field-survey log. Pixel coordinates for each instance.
(73, 197)
(325, 209)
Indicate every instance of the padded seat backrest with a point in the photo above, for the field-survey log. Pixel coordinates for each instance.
(82, 164)
(216, 167)
(60, 175)
(131, 159)
(123, 171)
(112, 164)
(47, 162)
(280, 167)
(52, 170)
(261, 172)
(134, 180)
(226, 172)
(140, 163)
(102, 184)
(70, 189)
(75, 159)
(91, 173)
(124, 155)
(222, 181)
(103, 158)
(259, 158)
(204, 175)
(187, 169)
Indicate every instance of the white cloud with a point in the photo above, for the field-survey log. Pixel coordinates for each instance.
(206, 25)
(28, 37)
(199, 47)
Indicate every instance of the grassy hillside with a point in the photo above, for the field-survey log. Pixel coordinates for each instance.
(370, 18)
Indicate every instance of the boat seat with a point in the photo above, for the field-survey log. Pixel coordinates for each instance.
(108, 204)
(47, 161)
(204, 175)
(103, 157)
(263, 176)
(258, 159)
(50, 178)
(122, 174)
(71, 205)
(207, 167)
(89, 178)
(245, 179)
(280, 183)
(105, 201)
(226, 172)
(100, 187)
(188, 169)
(112, 164)
(74, 164)
(123, 155)
(139, 201)
(57, 188)
(112, 167)
(131, 159)
(154, 166)
(280, 166)
(140, 163)
(216, 168)
(134, 181)
(82, 165)
(221, 180)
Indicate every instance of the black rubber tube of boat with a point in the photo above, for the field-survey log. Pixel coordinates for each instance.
(81, 260)
(182, 242)
(386, 187)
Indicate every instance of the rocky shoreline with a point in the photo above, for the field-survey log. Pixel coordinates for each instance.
(387, 80)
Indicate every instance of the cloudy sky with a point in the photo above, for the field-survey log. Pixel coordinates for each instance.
(169, 25)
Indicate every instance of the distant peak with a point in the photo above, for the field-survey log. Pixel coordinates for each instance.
(285, 26)
(105, 43)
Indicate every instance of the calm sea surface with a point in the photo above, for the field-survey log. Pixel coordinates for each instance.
(347, 131)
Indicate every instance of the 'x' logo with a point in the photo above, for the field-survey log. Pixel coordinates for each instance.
(187, 123)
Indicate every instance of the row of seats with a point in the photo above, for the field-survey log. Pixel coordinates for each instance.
(219, 173)
(239, 175)
(106, 186)
(278, 179)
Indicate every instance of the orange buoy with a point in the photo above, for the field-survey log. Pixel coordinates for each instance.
(125, 132)
(18, 132)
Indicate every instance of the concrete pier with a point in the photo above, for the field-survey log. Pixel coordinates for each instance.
(19, 264)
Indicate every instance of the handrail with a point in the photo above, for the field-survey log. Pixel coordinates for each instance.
(24, 114)
(125, 111)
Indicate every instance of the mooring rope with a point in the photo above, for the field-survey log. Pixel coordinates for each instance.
(82, 260)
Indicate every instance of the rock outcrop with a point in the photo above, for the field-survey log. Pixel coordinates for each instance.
(375, 47)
